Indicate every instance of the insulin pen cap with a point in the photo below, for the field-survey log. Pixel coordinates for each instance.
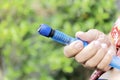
(44, 30)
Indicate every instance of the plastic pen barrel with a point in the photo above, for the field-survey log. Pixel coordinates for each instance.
(61, 37)
(57, 36)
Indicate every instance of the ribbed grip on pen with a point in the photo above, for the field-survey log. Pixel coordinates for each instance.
(65, 39)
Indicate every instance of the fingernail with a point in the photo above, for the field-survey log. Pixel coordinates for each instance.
(78, 34)
(78, 45)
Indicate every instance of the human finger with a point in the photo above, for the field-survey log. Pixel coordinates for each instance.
(94, 61)
(104, 39)
(107, 59)
(89, 36)
(87, 52)
(73, 48)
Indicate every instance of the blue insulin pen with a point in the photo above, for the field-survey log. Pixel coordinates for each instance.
(63, 38)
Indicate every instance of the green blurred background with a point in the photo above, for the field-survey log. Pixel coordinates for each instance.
(25, 55)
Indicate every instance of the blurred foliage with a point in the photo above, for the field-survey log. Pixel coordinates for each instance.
(28, 56)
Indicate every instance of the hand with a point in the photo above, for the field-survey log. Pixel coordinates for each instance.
(97, 54)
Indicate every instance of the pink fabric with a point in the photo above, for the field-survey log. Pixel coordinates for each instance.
(96, 74)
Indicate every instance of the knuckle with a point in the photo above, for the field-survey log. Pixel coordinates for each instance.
(97, 33)
(104, 39)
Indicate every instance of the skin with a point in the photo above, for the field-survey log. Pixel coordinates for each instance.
(113, 74)
(96, 55)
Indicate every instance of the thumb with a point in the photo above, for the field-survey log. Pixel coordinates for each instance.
(89, 36)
